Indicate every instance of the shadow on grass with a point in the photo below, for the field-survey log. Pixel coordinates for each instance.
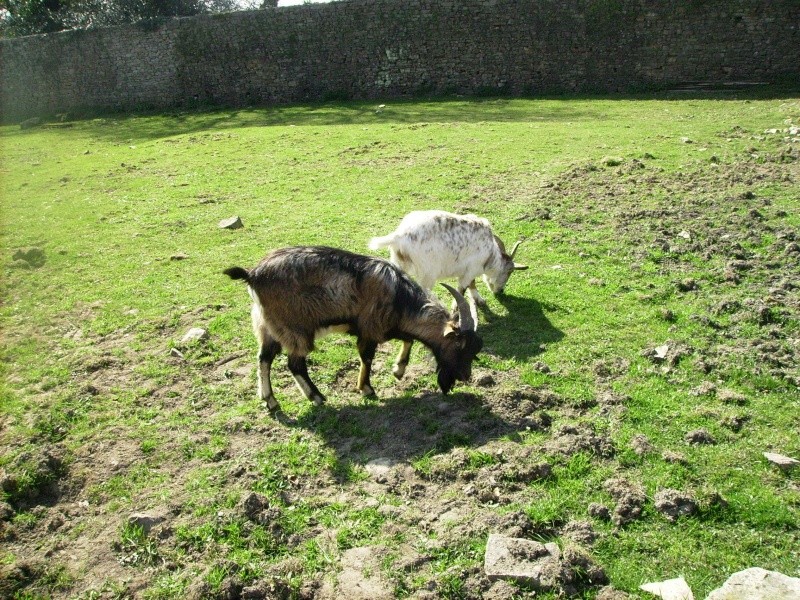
(156, 125)
(151, 125)
(404, 429)
(523, 333)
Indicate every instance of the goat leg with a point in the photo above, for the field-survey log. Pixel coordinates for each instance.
(267, 353)
(476, 297)
(299, 369)
(366, 352)
(401, 363)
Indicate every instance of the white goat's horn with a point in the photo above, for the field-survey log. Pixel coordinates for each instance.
(514, 249)
(464, 314)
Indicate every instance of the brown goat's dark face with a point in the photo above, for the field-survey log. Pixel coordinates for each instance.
(455, 361)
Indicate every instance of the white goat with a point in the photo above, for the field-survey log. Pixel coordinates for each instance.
(432, 245)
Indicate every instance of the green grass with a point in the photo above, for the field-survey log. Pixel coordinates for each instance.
(600, 189)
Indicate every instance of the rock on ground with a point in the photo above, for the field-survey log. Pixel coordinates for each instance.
(786, 463)
(194, 335)
(671, 589)
(231, 223)
(524, 561)
(758, 584)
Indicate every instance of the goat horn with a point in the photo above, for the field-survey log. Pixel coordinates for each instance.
(464, 313)
(514, 249)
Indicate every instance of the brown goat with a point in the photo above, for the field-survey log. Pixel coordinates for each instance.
(302, 293)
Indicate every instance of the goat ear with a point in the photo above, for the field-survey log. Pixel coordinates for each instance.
(519, 267)
(451, 328)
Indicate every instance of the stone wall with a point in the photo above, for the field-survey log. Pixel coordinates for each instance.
(362, 49)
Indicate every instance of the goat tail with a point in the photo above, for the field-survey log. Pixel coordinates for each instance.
(377, 243)
(237, 273)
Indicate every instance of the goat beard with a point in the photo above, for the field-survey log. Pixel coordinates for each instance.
(446, 381)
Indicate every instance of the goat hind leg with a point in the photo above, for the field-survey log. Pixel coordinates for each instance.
(266, 354)
(299, 369)
(366, 352)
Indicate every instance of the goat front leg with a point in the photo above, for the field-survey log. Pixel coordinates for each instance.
(266, 354)
(366, 352)
(399, 368)
(476, 297)
(299, 369)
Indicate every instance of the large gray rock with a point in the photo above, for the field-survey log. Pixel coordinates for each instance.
(524, 561)
(758, 584)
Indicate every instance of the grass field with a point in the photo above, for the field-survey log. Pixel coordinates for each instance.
(652, 345)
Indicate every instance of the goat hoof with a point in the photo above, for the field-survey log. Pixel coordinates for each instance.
(272, 403)
(318, 400)
(398, 371)
(367, 391)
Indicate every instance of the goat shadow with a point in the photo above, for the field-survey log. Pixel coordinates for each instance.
(402, 429)
(523, 333)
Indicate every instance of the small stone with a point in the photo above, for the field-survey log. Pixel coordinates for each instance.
(179, 256)
(660, 352)
(194, 335)
(672, 589)
(785, 463)
(231, 223)
(147, 520)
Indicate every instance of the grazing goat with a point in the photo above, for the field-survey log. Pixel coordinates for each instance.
(433, 244)
(302, 293)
